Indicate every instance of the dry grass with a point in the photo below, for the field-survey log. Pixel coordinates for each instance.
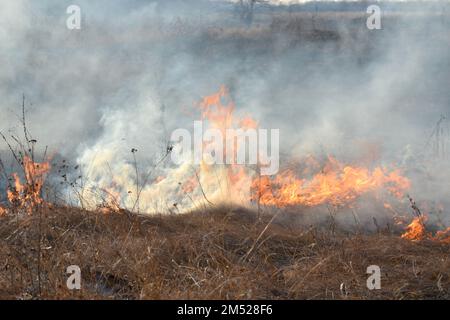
(203, 256)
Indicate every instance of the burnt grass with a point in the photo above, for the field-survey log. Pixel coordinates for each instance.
(220, 254)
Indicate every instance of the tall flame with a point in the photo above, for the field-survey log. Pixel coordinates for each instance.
(26, 196)
(334, 183)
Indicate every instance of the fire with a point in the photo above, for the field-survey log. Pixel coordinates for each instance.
(314, 184)
(214, 110)
(415, 231)
(111, 201)
(222, 182)
(442, 236)
(336, 184)
(26, 196)
(310, 182)
(248, 122)
(190, 185)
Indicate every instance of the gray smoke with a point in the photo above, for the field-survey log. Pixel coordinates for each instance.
(135, 71)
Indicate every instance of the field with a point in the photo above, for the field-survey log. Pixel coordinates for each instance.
(364, 134)
(220, 254)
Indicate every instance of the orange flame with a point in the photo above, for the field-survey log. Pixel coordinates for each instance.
(111, 200)
(214, 109)
(336, 184)
(442, 236)
(28, 195)
(415, 231)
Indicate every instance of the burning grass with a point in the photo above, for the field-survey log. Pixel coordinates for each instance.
(220, 254)
(213, 252)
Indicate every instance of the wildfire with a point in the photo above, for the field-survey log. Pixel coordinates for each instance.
(442, 236)
(214, 109)
(110, 201)
(222, 182)
(26, 196)
(415, 231)
(308, 182)
(336, 184)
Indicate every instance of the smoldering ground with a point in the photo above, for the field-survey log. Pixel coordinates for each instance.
(134, 73)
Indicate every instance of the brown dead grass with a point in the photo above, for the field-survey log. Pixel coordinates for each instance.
(202, 256)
